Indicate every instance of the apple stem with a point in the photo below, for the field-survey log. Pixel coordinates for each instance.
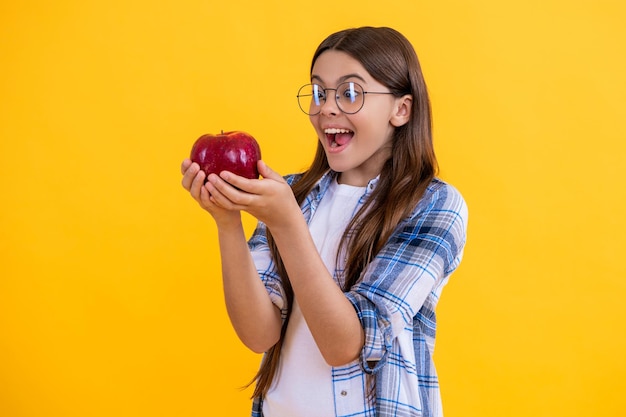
(222, 130)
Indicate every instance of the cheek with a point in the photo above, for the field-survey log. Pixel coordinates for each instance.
(314, 122)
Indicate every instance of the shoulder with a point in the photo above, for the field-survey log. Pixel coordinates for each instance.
(441, 213)
(320, 186)
(292, 178)
(438, 224)
(441, 196)
(322, 182)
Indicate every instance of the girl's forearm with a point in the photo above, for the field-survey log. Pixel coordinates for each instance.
(254, 317)
(330, 316)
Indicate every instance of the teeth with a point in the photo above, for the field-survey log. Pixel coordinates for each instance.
(334, 131)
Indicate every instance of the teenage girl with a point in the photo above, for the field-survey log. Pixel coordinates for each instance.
(339, 282)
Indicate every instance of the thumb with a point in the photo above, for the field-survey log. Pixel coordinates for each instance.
(267, 172)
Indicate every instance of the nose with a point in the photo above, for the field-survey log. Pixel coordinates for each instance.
(329, 107)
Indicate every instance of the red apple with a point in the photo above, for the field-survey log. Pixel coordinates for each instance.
(237, 152)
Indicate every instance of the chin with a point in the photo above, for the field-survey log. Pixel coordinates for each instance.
(341, 168)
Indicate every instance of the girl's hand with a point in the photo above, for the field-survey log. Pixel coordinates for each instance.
(193, 181)
(269, 199)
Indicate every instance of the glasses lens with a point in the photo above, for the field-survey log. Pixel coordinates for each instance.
(311, 98)
(350, 97)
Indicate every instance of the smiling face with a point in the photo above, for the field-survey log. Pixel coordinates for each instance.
(356, 145)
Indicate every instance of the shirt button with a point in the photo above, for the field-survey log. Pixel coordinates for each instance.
(344, 393)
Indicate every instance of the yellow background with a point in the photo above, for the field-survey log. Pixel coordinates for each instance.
(110, 294)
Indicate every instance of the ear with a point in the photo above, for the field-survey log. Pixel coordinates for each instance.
(402, 111)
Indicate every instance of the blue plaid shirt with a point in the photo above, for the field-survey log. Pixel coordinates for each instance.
(395, 301)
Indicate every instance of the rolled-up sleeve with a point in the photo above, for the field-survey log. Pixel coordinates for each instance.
(423, 251)
(266, 268)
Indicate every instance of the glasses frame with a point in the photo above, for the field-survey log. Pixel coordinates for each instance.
(298, 96)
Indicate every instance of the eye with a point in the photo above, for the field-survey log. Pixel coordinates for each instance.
(349, 92)
(319, 94)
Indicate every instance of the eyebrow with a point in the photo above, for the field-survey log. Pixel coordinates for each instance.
(341, 79)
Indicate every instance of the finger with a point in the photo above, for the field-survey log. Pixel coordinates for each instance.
(234, 180)
(214, 188)
(267, 172)
(185, 165)
(189, 175)
(205, 197)
(196, 185)
(225, 194)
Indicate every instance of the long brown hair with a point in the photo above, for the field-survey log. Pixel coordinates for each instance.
(390, 59)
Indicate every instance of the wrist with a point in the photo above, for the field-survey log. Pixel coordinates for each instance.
(288, 225)
(229, 222)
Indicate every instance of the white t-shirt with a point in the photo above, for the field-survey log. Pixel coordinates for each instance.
(303, 385)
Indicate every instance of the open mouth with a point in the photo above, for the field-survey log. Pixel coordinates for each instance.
(338, 137)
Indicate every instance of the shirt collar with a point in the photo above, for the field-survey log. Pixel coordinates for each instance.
(322, 184)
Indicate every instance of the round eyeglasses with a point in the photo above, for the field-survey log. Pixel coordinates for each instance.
(349, 97)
